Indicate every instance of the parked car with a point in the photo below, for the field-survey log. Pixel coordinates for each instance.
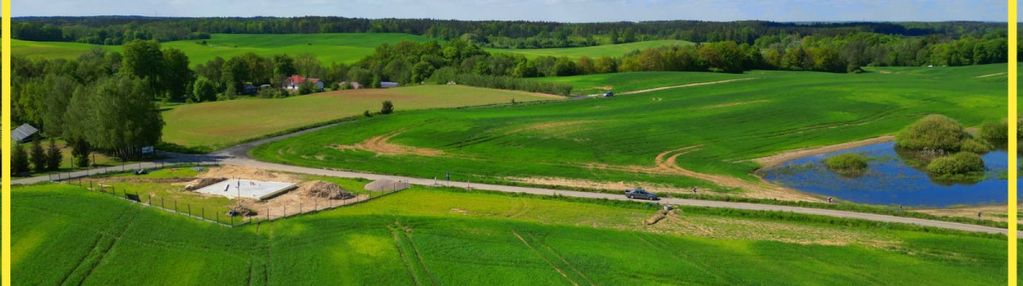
(640, 194)
(609, 94)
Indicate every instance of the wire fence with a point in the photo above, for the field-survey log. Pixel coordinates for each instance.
(123, 168)
(228, 216)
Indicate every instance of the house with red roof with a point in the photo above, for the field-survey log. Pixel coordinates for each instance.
(295, 81)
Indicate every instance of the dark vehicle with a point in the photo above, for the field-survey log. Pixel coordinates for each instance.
(141, 172)
(640, 194)
(609, 94)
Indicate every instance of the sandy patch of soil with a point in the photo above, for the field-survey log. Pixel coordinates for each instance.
(598, 185)
(666, 163)
(309, 196)
(232, 171)
(992, 213)
(381, 146)
(778, 159)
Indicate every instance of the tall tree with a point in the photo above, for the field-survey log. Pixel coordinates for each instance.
(116, 117)
(176, 75)
(143, 59)
(38, 157)
(53, 156)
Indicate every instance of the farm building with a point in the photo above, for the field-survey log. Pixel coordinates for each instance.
(388, 84)
(24, 133)
(349, 85)
(295, 81)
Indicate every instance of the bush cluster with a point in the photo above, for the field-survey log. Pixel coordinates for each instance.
(934, 132)
(847, 164)
(962, 163)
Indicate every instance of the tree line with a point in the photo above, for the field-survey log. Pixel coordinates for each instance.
(116, 30)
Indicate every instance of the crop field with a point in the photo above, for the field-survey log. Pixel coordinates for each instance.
(674, 139)
(214, 125)
(636, 81)
(615, 50)
(328, 48)
(65, 235)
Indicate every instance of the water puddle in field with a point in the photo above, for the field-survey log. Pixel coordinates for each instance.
(891, 181)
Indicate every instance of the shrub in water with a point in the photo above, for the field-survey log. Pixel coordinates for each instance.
(962, 163)
(847, 164)
(932, 133)
(995, 132)
(975, 146)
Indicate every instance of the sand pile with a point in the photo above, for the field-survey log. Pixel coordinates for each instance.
(321, 189)
(202, 183)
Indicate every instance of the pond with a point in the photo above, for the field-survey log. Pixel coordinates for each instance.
(890, 181)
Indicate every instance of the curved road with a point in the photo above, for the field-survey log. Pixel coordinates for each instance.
(238, 155)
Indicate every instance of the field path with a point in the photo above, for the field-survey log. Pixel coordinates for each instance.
(685, 85)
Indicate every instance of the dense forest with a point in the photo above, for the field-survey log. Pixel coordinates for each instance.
(116, 30)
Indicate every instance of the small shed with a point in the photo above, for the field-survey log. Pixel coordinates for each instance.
(24, 133)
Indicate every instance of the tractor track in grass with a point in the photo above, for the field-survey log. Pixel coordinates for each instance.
(545, 258)
(675, 253)
(685, 85)
(415, 266)
(100, 248)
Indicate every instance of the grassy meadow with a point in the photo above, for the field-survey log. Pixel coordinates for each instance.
(611, 50)
(328, 48)
(213, 125)
(65, 235)
(712, 129)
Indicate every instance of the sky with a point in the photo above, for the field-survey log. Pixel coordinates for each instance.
(539, 10)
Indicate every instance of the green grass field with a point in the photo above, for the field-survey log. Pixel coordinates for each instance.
(214, 125)
(328, 48)
(66, 235)
(616, 50)
(713, 129)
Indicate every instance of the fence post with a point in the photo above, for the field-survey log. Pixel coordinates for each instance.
(189, 209)
(267, 213)
(232, 221)
(175, 206)
(161, 203)
(203, 210)
(218, 217)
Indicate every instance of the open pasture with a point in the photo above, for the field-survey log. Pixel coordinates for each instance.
(612, 50)
(213, 125)
(63, 234)
(329, 48)
(670, 140)
(344, 48)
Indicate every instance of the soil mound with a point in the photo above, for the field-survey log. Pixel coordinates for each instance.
(321, 189)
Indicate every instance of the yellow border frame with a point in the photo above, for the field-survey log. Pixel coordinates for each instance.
(5, 178)
(1013, 179)
(5, 212)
